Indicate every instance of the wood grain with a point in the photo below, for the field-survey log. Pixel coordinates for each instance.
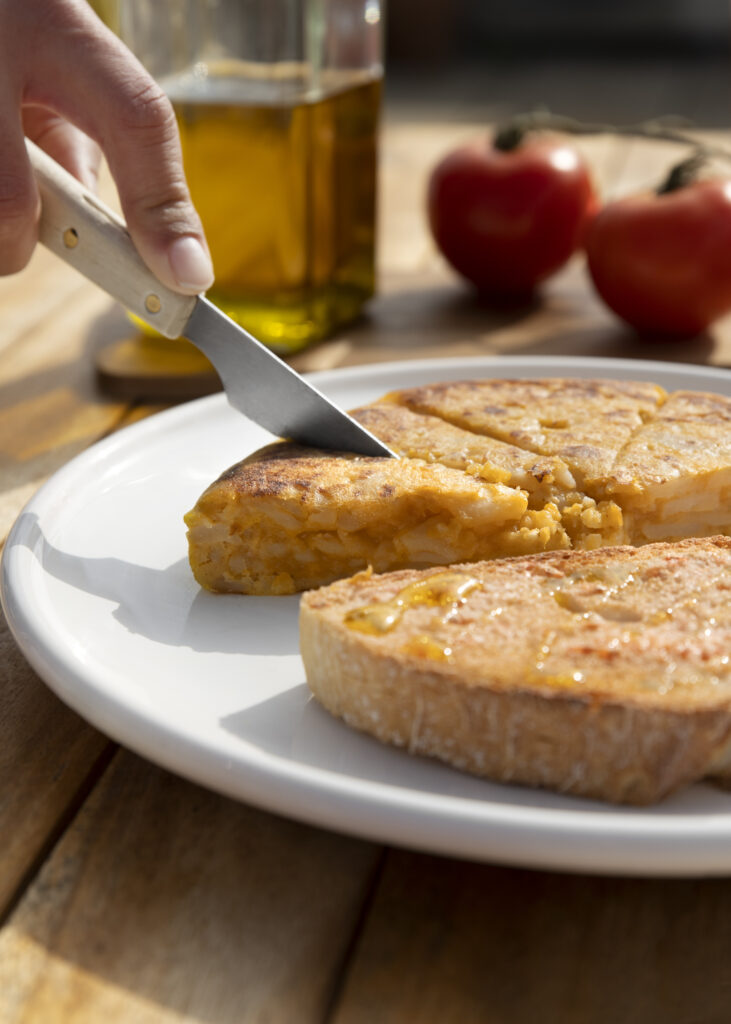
(157, 901)
(49, 411)
(166, 903)
(48, 757)
(447, 942)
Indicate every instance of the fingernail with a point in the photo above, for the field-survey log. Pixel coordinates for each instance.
(89, 177)
(190, 264)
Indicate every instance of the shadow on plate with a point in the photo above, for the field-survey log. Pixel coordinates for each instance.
(294, 727)
(167, 606)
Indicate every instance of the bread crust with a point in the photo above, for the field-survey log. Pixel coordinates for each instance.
(616, 732)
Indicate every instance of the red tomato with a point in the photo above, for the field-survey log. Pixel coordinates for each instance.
(663, 262)
(508, 218)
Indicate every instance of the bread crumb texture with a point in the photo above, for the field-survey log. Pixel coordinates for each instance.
(600, 673)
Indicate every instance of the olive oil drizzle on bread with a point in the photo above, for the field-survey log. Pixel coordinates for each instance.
(601, 673)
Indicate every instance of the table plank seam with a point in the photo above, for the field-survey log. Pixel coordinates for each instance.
(63, 822)
(340, 975)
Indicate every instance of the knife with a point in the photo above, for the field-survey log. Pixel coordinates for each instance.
(77, 226)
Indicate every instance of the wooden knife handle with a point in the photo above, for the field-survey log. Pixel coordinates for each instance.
(77, 226)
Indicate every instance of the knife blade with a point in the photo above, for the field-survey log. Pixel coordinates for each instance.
(269, 391)
(79, 228)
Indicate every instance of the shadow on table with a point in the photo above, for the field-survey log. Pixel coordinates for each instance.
(166, 605)
(165, 902)
(52, 405)
(445, 318)
(435, 314)
(617, 342)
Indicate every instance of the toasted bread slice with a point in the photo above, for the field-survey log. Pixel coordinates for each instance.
(602, 673)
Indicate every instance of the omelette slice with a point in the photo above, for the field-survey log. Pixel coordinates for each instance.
(290, 518)
(583, 422)
(432, 439)
(489, 469)
(673, 476)
(547, 479)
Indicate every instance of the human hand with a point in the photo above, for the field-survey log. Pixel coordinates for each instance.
(73, 88)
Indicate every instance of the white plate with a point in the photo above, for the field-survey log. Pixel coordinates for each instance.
(98, 593)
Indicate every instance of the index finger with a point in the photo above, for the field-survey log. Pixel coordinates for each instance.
(114, 100)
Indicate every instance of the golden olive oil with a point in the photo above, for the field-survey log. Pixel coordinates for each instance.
(286, 190)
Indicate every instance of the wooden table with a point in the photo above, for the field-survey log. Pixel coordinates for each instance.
(127, 894)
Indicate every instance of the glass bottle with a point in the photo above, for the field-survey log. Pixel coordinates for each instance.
(277, 103)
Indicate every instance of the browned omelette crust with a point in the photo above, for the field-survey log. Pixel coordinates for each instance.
(602, 673)
(651, 467)
(585, 423)
(300, 516)
(691, 431)
(418, 436)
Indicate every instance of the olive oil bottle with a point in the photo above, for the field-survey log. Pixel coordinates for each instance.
(285, 184)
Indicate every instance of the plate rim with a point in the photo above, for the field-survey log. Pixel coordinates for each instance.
(292, 780)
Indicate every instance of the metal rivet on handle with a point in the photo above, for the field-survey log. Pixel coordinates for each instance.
(70, 238)
(152, 303)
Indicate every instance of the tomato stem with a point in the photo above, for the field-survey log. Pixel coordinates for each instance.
(683, 174)
(510, 134)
